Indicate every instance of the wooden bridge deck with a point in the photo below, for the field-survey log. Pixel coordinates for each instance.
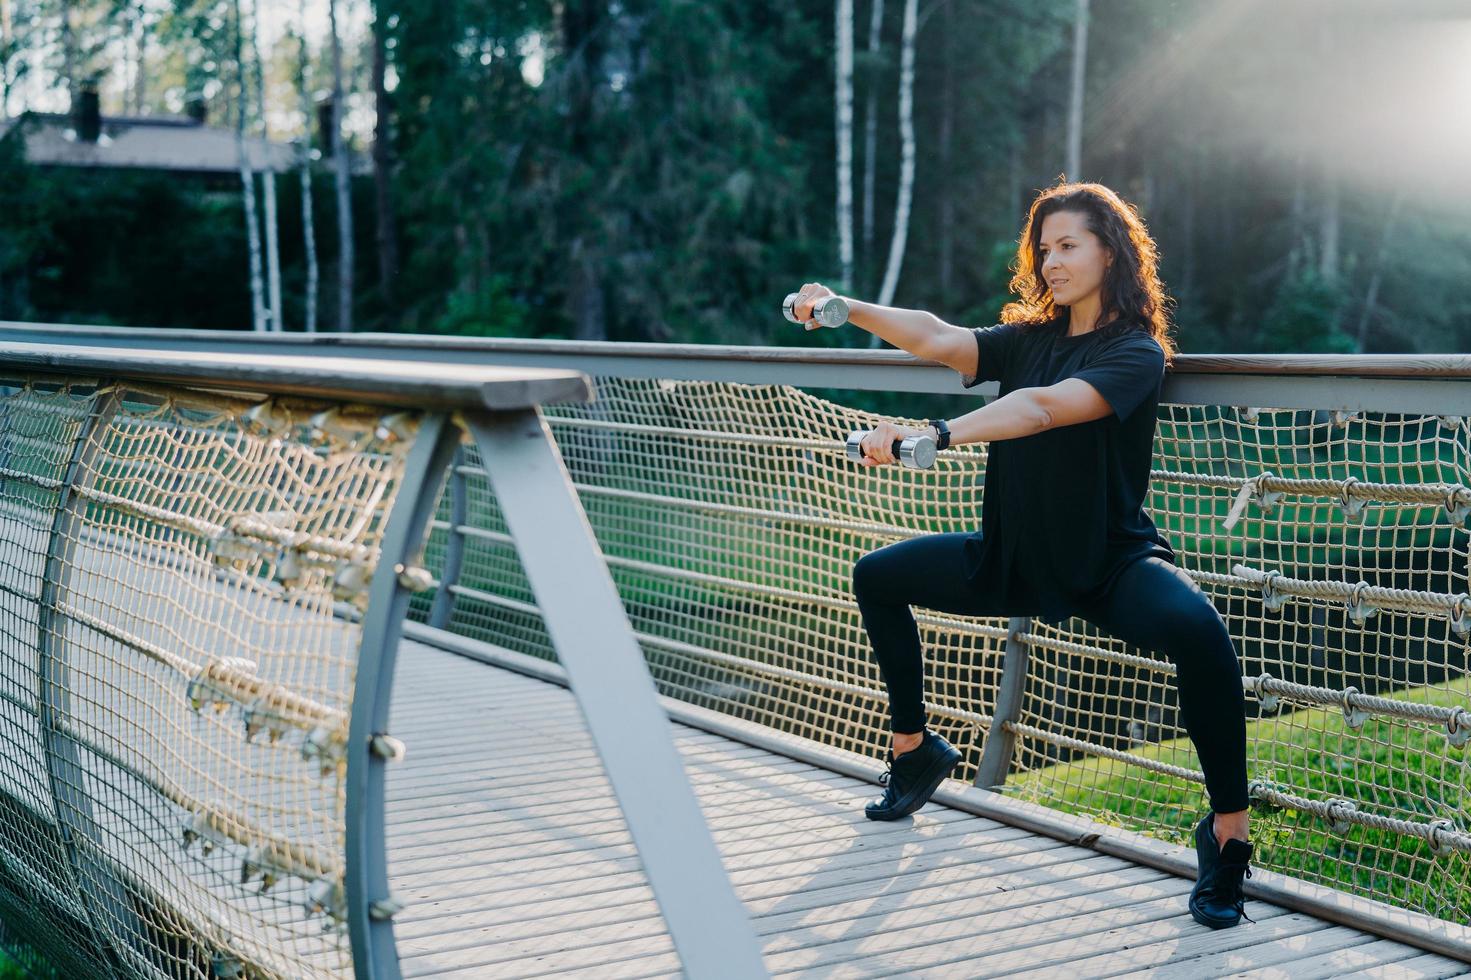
(508, 845)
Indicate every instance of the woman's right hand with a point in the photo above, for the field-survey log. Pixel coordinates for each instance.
(807, 297)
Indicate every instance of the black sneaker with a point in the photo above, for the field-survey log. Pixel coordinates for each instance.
(1217, 899)
(912, 778)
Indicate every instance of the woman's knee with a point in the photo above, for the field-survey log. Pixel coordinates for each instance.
(926, 569)
(1195, 632)
(868, 575)
(1163, 608)
(880, 574)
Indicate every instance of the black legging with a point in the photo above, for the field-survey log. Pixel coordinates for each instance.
(1153, 605)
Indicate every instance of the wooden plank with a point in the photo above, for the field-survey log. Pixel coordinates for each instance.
(1022, 934)
(537, 832)
(486, 764)
(596, 932)
(815, 905)
(743, 860)
(760, 867)
(784, 810)
(827, 902)
(1426, 966)
(377, 382)
(747, 763)
(588, 803)
(1283, 951)
(1335, 964)
(970, 926)
(513, 875)
(1162, 943)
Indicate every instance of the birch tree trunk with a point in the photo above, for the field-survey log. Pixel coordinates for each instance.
(344, 196)
(1075, 110)
(247, 180)
(268, 180)
(140, 83)
(69, 55)
(7, 31)
(308, 223)
(906, 164)
(273, 250)
(870, 136)
(845, 139)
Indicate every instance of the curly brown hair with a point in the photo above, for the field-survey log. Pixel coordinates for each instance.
(1133, 297)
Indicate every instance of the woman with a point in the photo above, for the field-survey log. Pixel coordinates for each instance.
(1080, 358)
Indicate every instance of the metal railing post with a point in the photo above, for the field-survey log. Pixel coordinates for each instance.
(1000, 743)
(454, 553)
(100, 893)
(369, 905)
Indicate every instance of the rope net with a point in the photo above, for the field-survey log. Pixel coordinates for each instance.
(175, 688)
(1334, 546)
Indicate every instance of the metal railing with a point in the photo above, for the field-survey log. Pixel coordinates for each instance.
(206, 568)
(1321, 502)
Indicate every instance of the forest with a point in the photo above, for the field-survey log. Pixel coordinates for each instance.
(668, 170)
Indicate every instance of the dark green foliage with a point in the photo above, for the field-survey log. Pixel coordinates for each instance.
(1304, 318)
(663, 170)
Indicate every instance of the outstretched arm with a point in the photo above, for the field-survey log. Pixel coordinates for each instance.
(1027, 411)
(1023, 412)
(915, 331)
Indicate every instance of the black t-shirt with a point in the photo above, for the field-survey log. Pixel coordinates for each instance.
(1063, 510)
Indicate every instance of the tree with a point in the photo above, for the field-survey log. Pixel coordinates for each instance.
(844, 102)
(247, 176)
(304, 168)
(906, 172)
(343, 180)
(870, 130)
(383, 160)
(1075, 103)
(268, 182)
(585, 26)
(18, 30)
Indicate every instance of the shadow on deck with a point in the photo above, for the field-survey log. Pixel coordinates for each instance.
(507, 843)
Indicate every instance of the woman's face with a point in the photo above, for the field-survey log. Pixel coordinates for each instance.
(1074, 260)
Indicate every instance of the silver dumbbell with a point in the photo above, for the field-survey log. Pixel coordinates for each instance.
(916, 452)
(830, 311)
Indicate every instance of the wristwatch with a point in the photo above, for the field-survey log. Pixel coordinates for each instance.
(943, 430)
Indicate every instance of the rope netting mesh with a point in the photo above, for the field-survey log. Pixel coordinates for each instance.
(1333, 544)
(175, 688)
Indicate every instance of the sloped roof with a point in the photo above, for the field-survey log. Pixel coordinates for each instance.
(147, 142)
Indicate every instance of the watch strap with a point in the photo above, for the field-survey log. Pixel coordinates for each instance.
(944, 430)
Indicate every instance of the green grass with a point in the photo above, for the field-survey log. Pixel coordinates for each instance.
(1393, 767)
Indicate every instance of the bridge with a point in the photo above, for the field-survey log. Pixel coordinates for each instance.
(388, 656)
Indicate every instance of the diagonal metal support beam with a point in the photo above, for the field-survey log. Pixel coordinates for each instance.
(594, 640)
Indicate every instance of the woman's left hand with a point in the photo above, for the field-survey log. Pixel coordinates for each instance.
(878, 445)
